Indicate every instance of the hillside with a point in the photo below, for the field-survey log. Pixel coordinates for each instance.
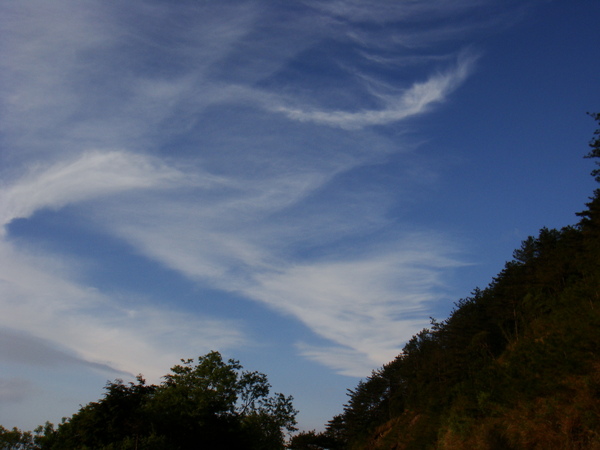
(515, 365)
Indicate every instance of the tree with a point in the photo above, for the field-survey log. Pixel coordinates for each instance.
(218, 400)
(207, 403)
(16, 439)
(595, 147)
(591, 216)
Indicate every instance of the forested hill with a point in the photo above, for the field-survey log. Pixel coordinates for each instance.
(515, 365)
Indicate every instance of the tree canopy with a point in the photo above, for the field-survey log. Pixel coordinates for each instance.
(207, 403)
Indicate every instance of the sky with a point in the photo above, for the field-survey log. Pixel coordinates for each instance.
(299, 185)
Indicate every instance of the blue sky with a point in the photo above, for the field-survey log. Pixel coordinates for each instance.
(299, 185)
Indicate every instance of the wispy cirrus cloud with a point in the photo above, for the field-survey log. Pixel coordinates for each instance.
(416, 100)
(41, 295)
(22, 348)
(50, 308)
(189, 133)
(90, 175)
(366, 303)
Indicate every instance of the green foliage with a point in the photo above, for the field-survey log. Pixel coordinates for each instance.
(307, 440)
(226, 403)
(209, 403)
(15, 439)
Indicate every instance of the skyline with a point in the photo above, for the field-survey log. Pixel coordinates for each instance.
(299, 186)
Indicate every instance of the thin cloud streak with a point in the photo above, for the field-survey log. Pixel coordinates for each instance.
(21, 348)
(91, 175)
(368, 305)
(392, 11)
(416, 100)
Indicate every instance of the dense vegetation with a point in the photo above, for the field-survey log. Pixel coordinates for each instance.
(211, 404)
(515, 365)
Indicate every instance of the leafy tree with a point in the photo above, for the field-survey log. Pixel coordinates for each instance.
(222, 403)
(121, 416)
(208, 403)
(311, 440)
(595, 147)
(16, 439)
(591, 216)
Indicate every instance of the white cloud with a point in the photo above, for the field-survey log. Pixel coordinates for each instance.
(367, 301)
(19, 347)
(89, 176)
(368, 304)
(343, 360)
(39, 297)
(386, 11)
(101, 75)
(415, 100)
